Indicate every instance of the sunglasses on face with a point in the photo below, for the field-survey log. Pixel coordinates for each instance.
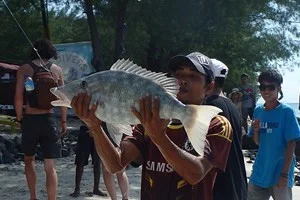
(263, 87)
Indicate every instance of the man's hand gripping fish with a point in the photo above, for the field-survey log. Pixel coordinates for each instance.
(118, 90)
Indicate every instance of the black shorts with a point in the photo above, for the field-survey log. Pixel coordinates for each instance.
(41, 129)
(85, 148)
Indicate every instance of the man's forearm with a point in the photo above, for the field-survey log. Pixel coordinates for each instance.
(63, 111)
(192, 168)
(107, 151)
(289, 153)
(256, 137)
(19, 109)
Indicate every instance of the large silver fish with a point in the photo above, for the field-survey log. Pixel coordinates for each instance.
(118, 89)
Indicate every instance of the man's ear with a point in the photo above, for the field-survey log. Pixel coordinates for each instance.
(210, 87)
(280, 93)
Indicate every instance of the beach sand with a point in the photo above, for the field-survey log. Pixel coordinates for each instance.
(13, 183)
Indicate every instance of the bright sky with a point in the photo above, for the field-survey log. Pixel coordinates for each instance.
(290, 86)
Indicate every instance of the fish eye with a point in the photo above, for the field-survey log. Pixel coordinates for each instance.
(84, 84)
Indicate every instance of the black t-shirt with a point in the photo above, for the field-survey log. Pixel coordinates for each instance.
(232, 184)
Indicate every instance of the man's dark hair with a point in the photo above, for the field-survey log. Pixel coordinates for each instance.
(270, 75)
(45, 49)
(219, 82)
(244, 75)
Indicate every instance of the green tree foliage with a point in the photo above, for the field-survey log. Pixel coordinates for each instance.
(66, 26)
(246, 34)
(13, 44)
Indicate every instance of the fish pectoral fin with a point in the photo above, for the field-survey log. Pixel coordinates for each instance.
(116, 131)
(61, 103)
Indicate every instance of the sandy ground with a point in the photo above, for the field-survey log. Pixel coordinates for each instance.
(13, 183)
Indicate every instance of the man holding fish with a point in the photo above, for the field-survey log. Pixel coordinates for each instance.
(180, 157)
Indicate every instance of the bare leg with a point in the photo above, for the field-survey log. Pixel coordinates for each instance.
(96, 190)
(31, 175)
(109, 183)
(51, 178)
(123, 184)
(79, 172)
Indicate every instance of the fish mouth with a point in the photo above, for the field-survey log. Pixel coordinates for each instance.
(61, 96)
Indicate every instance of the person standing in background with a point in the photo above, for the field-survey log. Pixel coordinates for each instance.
(39, 125)
(248, 100)
(236, 97)
(275, 129)
(232, 183)
(109, 182)
(85, 148)
(109, 179)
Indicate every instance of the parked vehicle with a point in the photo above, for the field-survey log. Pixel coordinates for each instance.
(7, 88)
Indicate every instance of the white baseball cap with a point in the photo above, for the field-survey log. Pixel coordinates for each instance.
(220, 69)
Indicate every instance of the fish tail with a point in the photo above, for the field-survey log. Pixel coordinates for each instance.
(196, 124)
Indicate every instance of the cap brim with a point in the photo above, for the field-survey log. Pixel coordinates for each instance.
(177, 61)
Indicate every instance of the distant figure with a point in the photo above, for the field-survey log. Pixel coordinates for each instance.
(236, 97)
(275, 130)
(39, 124)
(232, 183)
(85, 148)
(248, 100)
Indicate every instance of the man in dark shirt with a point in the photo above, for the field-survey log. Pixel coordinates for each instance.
(85, 148)
(171, 167)
(231, 184)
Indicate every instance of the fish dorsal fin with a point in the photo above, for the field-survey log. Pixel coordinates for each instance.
(169, 83)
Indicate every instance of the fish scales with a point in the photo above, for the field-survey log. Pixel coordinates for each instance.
(119, 89)
(122, 92)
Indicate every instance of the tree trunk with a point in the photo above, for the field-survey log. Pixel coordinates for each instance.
(120, 26)
(44, 10)
(97, 60)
